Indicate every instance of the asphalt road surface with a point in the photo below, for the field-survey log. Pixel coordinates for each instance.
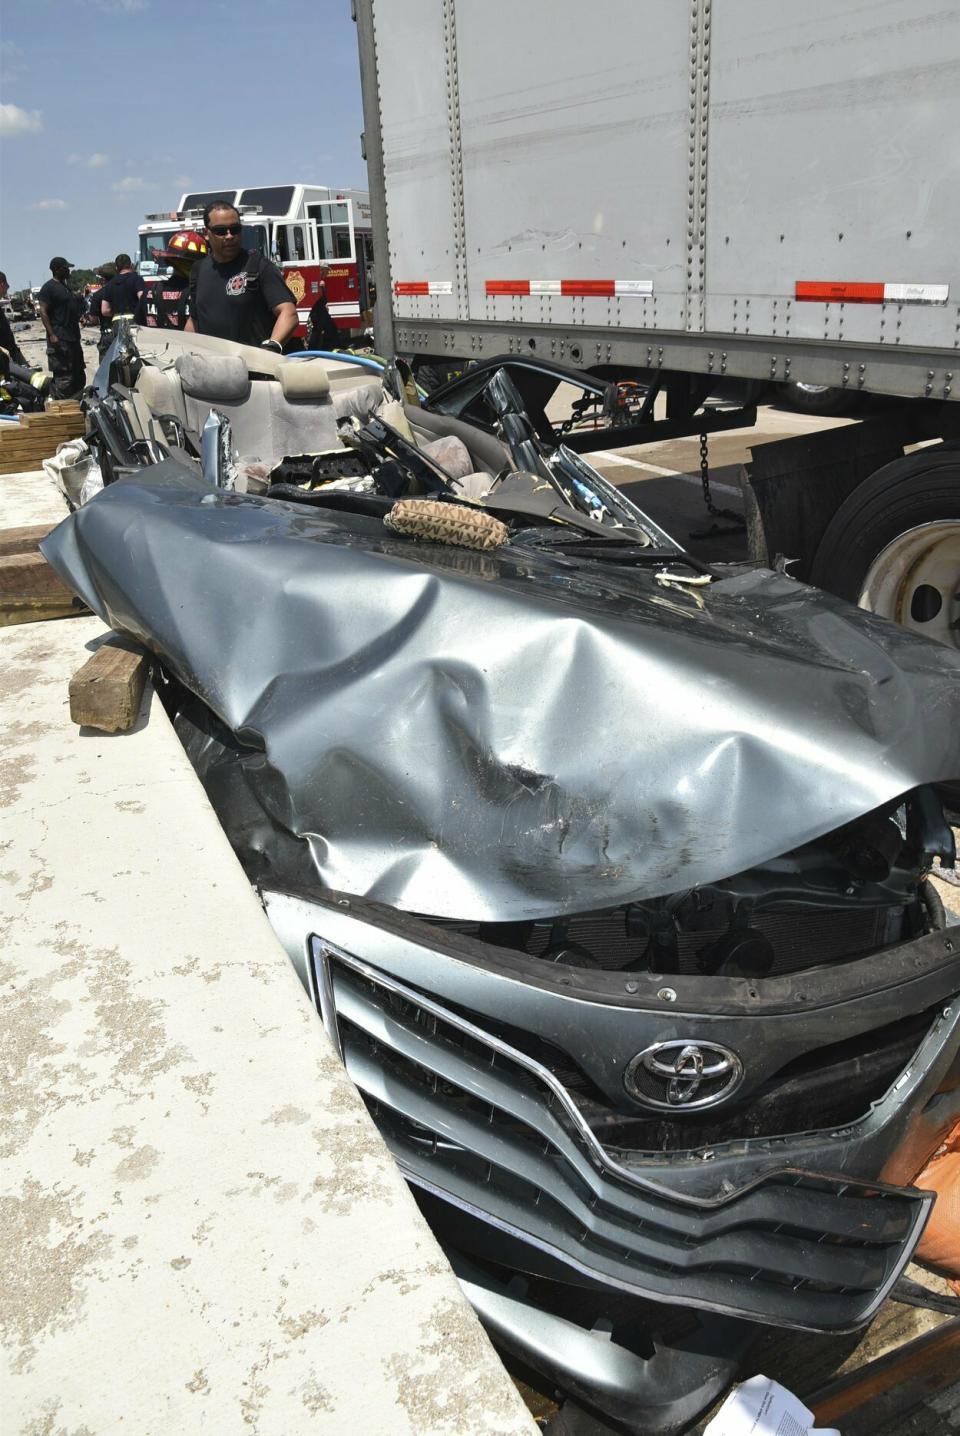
(33, 342)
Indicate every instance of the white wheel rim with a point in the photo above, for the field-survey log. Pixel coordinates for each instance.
(916, 581)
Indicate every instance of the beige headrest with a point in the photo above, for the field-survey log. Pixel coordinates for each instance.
(304, 379)
(217, 378)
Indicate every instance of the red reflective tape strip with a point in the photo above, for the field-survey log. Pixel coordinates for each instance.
(423, 286)
(821, 291)
(571, 288)
(605, 288)
(508, 286)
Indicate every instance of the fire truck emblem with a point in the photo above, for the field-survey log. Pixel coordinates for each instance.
(296, 284)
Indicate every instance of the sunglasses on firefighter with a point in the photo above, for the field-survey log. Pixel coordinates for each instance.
(222, 229)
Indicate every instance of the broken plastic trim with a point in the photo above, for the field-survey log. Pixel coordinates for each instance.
(216, 452)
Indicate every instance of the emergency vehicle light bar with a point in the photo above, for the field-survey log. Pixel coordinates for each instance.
(182, 214)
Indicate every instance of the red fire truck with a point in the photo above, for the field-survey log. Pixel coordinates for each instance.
(299, 227)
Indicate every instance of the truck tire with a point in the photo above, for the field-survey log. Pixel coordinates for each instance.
(893, 546)
(819, 398)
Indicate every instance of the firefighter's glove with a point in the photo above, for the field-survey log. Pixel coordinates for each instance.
(273, 345)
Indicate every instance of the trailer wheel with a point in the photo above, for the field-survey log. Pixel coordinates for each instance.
(819, 398)
(893, 546)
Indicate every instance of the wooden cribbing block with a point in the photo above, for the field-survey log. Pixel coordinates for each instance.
(106, 692)
(22, 540)
(30, 590)
(33, 426)
(36, 437)
(915, 1387)
(28, 575)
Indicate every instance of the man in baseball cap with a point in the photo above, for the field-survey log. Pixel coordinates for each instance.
(61, 310)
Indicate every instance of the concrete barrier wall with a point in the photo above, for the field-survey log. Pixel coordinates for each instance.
(204, 1231)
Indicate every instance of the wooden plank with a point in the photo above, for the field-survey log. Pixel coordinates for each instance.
(70, 428)
(46, 446)
(56, 406)
(42, 429)
(30, 590)
(28, 575)
(22, 540)
(38, 610)
(9, 452)
(918, 1377)
(10, 437)
(27, 423)
(106, 692)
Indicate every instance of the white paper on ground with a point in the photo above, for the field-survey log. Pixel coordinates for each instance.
(761, 1407)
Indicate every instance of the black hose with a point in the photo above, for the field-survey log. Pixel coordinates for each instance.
(913, 1293)
(933, 906)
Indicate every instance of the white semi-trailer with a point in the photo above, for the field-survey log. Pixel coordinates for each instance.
(711, 195)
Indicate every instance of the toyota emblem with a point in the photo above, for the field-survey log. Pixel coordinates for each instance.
(683, 1076)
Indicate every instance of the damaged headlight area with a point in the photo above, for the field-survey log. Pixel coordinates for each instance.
(607, 873)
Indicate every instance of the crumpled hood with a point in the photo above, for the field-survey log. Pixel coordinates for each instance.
(517, 734)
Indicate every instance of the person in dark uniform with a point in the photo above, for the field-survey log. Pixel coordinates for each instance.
(119, 296)
(7, 340)
(322, 329)
(106, 272)
(60, 311)
(236, 293)
(165, 304)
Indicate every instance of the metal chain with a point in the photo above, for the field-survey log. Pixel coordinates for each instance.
(736, 521)
(705, 476)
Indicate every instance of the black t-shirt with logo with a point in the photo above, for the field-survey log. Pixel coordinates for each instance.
(236, 300)
(64, 309)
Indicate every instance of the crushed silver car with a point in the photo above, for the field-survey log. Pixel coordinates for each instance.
(606, 869)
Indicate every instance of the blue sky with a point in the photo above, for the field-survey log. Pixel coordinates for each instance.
(111, 108)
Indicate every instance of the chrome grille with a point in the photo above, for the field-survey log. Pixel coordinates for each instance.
(494, 1132)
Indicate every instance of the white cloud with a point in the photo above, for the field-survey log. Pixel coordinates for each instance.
(89, 162)
(14, 121)
(50, 204)
(183, 179)
(122, 7)
(130, 182)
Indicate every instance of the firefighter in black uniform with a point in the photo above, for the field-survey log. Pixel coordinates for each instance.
(105, 339)
(165, 304)
(60, 310)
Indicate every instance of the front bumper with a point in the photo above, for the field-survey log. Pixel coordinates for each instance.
(493, 1132)
(793, 1230)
